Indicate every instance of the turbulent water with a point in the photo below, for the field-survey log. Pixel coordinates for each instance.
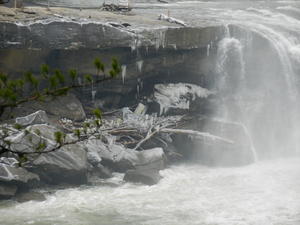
(262, 193)
(257, 70)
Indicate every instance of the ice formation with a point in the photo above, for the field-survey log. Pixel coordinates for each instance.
(178, 95)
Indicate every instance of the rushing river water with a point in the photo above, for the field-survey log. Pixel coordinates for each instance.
(263, 193)
(258, 67)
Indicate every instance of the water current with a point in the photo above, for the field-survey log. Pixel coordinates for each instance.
(257, 65)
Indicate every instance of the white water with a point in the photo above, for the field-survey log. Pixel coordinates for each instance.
(263, 193)
(257, 69)
(262, 95)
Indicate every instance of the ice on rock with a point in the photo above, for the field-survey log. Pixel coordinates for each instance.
(39, 117)
(93, 95)
(139, 65)
(208, 49)
(178, 96)
(124, 68)
(160, 40)
(140, 109)
(79, 80)
(140, 121)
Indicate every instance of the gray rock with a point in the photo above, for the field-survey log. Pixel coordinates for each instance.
(142, 175)
(62, 107)
(29, 139)
(96, 172)
(30, 196)
(66, 165)
(7, 190)
(115, 157)
(16, 175)
(39, 117)
(53, 36)
(151, 158)
(121, 159)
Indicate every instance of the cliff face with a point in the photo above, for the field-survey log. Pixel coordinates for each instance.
(149, 50)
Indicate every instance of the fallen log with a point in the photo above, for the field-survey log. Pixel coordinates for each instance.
(171, 20)
(197, 133)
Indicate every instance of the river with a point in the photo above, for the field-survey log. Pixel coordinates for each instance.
(267, 192)
(258, 67)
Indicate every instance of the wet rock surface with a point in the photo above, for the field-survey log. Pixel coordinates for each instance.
(62, 107)
(66, 165)
(120, 159)
(7, 191)
(143, 175)
(30, 196)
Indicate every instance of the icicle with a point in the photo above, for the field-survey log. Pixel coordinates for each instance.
(227, 31)
(93, 95)
(134, 45)
(79, 81)
(124, 68)
(208, 49)
(138, 88)
(139, 65)
(157, 44)
(160, 40)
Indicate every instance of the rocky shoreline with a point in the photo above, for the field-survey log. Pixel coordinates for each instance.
(115, 147)
(149, 123)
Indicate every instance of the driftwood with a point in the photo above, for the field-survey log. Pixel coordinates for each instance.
(171, 20)
(203, 135)
(148, 136)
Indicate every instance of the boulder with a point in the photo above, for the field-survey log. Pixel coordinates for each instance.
(100, 171)
(30, 138)
(142, 175)
(151, 158)
(67, 106)
(177, 98)
(120, 159)
(65, 165)
(16, 175)
(30, 196)
(113, 156)
(39, 117)
(7, 191)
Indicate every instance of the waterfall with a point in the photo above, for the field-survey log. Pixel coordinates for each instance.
(256, 78)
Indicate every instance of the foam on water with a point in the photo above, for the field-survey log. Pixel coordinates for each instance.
(262, 193)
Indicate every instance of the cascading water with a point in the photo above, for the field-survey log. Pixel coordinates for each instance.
(259, 89)
(257, 81)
